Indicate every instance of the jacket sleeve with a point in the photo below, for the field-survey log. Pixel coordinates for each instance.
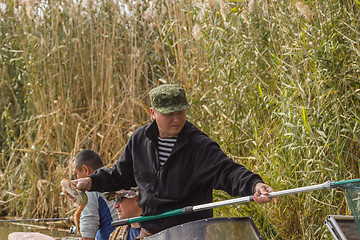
(222, 172)
(117, 177)
(90, 220)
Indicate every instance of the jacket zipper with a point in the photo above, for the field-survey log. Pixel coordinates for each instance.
(157, 168)
(153, 195)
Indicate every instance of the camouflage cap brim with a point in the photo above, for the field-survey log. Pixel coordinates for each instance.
(171, 109)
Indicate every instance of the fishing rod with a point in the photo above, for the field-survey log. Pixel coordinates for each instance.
(34, 220)
(207, 206)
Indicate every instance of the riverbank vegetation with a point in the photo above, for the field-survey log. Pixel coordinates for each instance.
(275, 83)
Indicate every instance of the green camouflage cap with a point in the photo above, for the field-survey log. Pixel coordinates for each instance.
(168, 98)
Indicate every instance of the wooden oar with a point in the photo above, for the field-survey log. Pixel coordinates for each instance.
(191, 209)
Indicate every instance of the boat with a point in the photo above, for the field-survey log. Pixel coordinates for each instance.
(229, 228)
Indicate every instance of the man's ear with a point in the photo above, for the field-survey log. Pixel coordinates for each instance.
(86, 168)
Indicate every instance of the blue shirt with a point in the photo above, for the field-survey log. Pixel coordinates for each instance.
(133, 233)
(96, 218)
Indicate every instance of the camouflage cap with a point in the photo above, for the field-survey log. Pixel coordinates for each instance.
(168, 98)
(131, 193)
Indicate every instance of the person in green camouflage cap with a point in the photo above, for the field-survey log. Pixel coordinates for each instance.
(175, 165)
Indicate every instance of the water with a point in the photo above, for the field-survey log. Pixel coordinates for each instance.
(7, 228)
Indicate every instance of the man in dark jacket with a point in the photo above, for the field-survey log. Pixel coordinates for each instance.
(175, 165)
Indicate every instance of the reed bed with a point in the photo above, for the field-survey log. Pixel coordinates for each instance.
(275, 83)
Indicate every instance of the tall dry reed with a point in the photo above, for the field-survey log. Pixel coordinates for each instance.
(274, 82)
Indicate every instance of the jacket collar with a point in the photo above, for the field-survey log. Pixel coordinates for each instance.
(152, 131)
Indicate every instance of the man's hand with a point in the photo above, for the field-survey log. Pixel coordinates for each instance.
(263, 189)
(83, 184)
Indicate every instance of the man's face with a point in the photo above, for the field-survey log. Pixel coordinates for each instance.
(169, 124)
(79, 174)
(127, 208)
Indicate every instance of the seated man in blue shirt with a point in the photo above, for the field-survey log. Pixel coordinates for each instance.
(96, 218)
